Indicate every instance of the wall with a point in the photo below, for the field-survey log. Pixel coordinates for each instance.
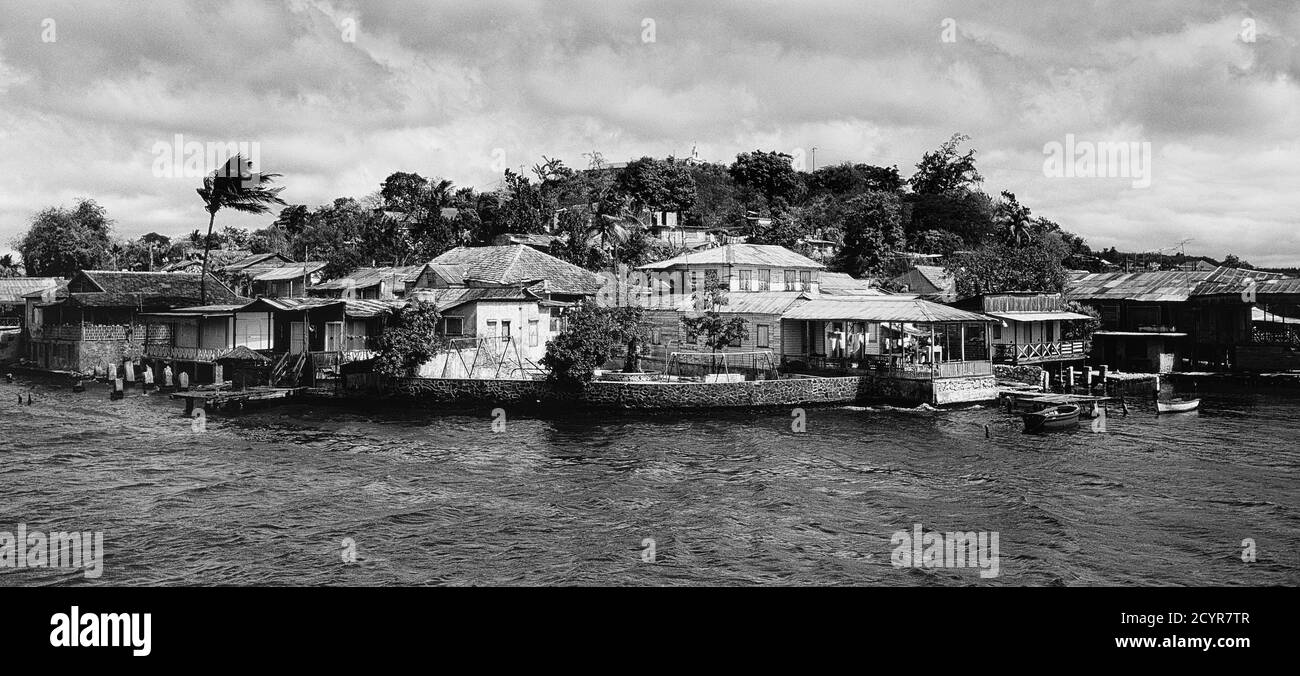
(661, 395)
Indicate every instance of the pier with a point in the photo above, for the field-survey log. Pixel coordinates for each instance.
(214, 399)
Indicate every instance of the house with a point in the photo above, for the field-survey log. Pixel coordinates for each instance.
(931, 282)
(761, 311)
(1252, 324)
(288, 281)
(1162, 320)
(99, 321)
(537, 241)
(13, 303)
(381, 283)
(741, 268)
(499, 306)
(1031, 328)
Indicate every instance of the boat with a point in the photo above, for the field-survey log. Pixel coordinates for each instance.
(1061, 417)
(1177, 405)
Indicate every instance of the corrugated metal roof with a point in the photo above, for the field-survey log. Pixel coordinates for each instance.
(1258, 314)
(366, 277)
(519, 264)
(748, 302)
(1165, 285)
(842, 284)
(757, 255)
(882, 309)
(293, 271)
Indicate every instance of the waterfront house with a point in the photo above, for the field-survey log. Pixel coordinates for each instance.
(509, 266)
(1031, 328)
(1166, 320)
(1254, 322)
(13, 302)
(99, 321)
(373, 283)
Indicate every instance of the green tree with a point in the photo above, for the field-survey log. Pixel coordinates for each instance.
(585, 344)
(62, 241)
(771, 175)
(873, 233)
(945, 169)
(410, 339)
(237, 187)
(999, 267)
(656, 185)
(1013, 220)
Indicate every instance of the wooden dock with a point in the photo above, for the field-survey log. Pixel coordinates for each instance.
(216, 399)
(1027, 400)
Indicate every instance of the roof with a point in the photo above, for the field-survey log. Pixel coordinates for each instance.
(181, 265)
(453, 274)
(351, 308)
(842, 284)
(242, 353)
(1038, 316)
(1258, 314)
(886, 308)
(444, 299)
(106, 288)
(533, 240)
(292, 271)
(13, 289)
(366, 277)
(748, 302)
(248, 260)
(1163, 285)
(197, 311)
(519, 264)
(757, 255)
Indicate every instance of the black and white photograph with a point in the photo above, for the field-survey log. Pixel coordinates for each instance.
(906, 296)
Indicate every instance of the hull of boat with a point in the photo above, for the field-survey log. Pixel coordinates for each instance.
(1052, 419)
(1177, 406)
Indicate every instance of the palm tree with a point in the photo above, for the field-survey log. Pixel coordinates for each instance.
(1014, 220)
(234, 186)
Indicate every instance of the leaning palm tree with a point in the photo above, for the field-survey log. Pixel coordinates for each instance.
(234, 186)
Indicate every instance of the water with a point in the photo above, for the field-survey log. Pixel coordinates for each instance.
(268, 497)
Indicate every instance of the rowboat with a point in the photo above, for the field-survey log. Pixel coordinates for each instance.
(1061, 417)
(1177, 405)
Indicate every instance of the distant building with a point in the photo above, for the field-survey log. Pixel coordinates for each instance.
(382, 283)
(1031, 330)
(928, 281)
(742, 267)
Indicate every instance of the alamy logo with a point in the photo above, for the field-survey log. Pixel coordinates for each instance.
(36, 549)
(1089, 159)
(934, 549)
(102, 630)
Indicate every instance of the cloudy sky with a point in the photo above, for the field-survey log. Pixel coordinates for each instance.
(339, 94)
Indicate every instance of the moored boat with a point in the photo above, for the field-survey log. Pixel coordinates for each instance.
(1177, 405)
(1061, 417)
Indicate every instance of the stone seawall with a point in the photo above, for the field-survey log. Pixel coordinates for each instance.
(665, 395)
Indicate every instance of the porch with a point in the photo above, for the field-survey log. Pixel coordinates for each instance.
(1017, 354)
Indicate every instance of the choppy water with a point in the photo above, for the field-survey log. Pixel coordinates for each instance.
(268, 497)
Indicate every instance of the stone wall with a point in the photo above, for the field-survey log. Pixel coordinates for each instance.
(1029, 375)
(670, 395)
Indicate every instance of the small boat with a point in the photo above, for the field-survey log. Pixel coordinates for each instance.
(1061, 417)
(1177, 405)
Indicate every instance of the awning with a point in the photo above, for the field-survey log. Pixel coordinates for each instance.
(1038, 316)
(1153, 334)
(881, 309)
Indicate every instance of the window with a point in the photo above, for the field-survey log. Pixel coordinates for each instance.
(492, 328)
(763, 333)
(764, 279)
(805, 280)
(746, 280)
(532, 333)
(333, 336)
(997, 331)
(1051, 331)
(791, 280)
(453, 326)
(505, 331)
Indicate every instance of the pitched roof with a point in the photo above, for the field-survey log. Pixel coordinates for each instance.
(888, 308)
(107, 288)
(242, 353)
(250, 260)
(366, 277)
(1163, 285)
(519, 264)
(351, 308)
(12, 289)
(843, 284)
(291, 271)
(444, 299)
(757, 255)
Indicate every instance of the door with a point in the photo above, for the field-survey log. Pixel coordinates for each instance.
(333, 336)
(297, 338)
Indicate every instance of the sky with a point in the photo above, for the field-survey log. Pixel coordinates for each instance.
(337, 95)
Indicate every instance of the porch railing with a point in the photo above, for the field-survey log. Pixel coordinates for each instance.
(87, 331)
(199, 354)
(1030, 353)
(896, 368)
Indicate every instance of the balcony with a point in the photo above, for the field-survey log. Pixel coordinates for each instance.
(87, 332)
(1017, 354)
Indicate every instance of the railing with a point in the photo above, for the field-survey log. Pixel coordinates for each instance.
(8, 322)
(199, 354)
(324, 360)
(1029, 353)
(1287, 336)
(87, 331)
(897, 368)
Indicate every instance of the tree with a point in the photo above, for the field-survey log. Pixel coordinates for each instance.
(1013, 220)
(9, 267)
(939, 242)
(234, 186)
(1081, 329)
(657, 185)
(631, 329)
(62, 241)
(944, 169)
(843, 180)
(770, 174)
(873, 233)
(718, 200)
(716, 330)
(1232, 261)
(1000, 267)
(585, 344)
(410, 339)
